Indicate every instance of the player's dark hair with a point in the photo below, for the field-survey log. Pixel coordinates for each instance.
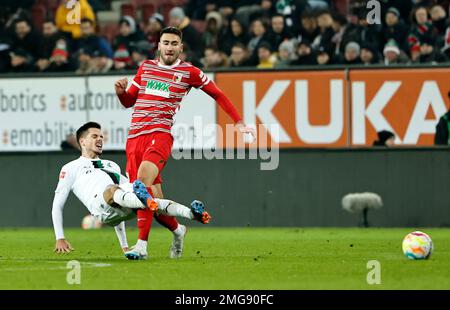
(172, 30)
(81, 132)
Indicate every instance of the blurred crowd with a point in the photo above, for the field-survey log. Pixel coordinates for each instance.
(227, 33)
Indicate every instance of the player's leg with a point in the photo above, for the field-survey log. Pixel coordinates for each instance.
(114, 194)
(134, 150)
(179, 231)
(172, 208)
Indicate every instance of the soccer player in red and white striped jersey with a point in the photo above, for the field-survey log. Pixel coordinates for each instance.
(155, 95)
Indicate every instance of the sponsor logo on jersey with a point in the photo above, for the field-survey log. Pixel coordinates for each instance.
(177, 77)
(157, 88)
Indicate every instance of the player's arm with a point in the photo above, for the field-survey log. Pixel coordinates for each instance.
(61, 193)
(122, 236)
(209, 87)
(128, 97)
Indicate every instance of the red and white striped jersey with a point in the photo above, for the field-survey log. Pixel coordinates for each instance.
(159, 90)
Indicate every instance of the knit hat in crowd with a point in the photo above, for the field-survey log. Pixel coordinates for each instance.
(177, 12)
(391, 46)
(130, 21)
(60, 49)
(353, 45)
(157, 18)
(122, 54)
(393, 11)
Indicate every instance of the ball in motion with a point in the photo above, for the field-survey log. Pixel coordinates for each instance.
(417, 245)
(90, 222)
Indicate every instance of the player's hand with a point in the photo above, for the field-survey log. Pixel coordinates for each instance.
(241, 127)
(63, 246)
(121, 86)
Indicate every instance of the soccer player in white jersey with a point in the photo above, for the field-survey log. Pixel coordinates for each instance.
(107, 194)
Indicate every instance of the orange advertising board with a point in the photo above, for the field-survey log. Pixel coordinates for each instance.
(333, 109)
(308, 108)
(408, 102)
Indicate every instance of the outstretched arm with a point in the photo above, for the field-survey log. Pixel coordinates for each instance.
(122, 236)
(126, 97)
(62, 245)
(212, 90)
(61, 193)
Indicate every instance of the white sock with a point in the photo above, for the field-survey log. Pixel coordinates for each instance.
(172, 208)
(141, 244)
(127, 199)
(179, 231)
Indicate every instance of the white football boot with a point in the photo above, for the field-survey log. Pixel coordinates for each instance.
(176, 250)
(136, 253)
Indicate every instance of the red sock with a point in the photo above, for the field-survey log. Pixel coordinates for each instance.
(169, 222)
(144, 220)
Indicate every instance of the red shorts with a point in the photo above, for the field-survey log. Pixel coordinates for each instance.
(155, 147)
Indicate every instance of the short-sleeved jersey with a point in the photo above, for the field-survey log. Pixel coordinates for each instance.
(160, 90)
(87, 178)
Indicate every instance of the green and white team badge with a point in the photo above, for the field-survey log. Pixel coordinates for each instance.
(157, 88)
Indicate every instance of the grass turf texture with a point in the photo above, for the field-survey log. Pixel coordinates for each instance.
(225, 258)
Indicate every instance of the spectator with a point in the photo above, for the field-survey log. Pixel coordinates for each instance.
(266, 58)
(129, 34)
(191, 37)
(214, 58)
(85, 61)
(323, 57)
(153, 29)
(90, 40)
(213, 29)
(259, 34)
(339, 27)
(101, 62)
(393, 54)
(246, 9)
(308, 27)
(369, 55)
(439, 19)
(278, 32)
(395, 29)
(385, 138)
(67, 20)
(239, 56)
(5, 48)
(26, 39)
(60, 60)
(234, 34)
(326, 32)
(421, 30)
(70, 144)
(50, 35)
(442, 136)
(352, 54)
(429, 54)
(21, 61)
(141, 51)
(305, 55)
(286, 54)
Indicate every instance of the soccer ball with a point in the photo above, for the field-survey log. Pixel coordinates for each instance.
(90, 222)
(417, 245)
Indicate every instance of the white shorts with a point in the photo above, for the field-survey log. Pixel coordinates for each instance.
(111, 216)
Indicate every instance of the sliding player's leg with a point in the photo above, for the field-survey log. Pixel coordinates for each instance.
(122, 196)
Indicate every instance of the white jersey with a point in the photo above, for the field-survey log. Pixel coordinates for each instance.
(88, 179)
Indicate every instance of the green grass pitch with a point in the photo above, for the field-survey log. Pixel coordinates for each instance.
(225, 258)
